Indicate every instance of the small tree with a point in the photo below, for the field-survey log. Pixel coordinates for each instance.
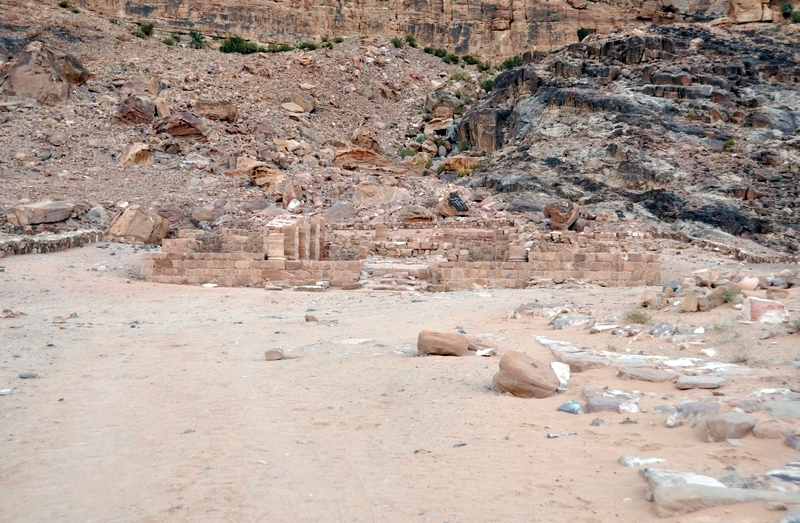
(786, 10)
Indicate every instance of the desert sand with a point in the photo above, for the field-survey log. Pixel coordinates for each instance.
(154, 403)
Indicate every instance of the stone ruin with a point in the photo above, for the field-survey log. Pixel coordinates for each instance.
(298, 251)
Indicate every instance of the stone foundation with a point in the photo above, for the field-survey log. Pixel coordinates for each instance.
(298, 251)
(44, 243)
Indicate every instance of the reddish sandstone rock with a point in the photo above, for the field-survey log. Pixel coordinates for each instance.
(561, 213)
(764, 311)
(442, 344)
(523, 376)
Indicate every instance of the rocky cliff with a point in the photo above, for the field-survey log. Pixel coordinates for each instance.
(496, 28)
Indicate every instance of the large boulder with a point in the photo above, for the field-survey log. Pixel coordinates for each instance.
(562, 214)
(43, 212)
(137, 108)
(43, 73)
(442, 343)
(416, 214)
(137, 224)
(137, 154)
(523, 376)
(764, 311)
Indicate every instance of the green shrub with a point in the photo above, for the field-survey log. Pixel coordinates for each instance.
(420, 138)
(451, 59)
(279, 48)
(196, 39)
(638, 316)
(338, 39)
(583, 32)
(308, 46)
(463, 145)
(428, 50)
(397, 42)
(237, 44)
(326, 39)
(76, 10)
(404, 153)
(730, 142)
(169, 41)
(510, 63)
(460, 77)
(796, 16)
(488, 85)
(114, 21)
(63, 4)
(484, 66)
(176, 37)
(786, 9)
(470, 60)
(139, 34)
(411, 41)
(327, 45)
(440, 53)
(146, 29)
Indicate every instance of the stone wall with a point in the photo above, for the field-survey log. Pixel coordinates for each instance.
(43, 243)
(498, 28)
(445, 258)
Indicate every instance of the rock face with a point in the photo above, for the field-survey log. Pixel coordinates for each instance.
(498, 27)
(137, 224)
(43, 73)
(649, 82)
(442, 344)
(562, 214)
(523, 376)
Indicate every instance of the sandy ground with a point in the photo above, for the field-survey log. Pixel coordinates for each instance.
(155, 403)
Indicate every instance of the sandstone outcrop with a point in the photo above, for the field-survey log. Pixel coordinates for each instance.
(497, 28)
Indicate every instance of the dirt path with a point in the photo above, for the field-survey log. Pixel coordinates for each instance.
(155, 404)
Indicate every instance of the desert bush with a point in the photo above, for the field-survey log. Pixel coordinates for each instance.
(786, 9)
(730, 142)
(146, 29)
(796, 16)
(63, 4)
(338, 39)
(463, 145)
(397, 42)
(638, 316)
(510, 63)
(583, 32)
(451, 59)
(460, 77)
(488, 85)
(76, 10)
(279, 48)
(169, 41)
(139, 34)
(237, 44)
(196, 39)
(730, 295)
(411, 41)
(307, 46)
